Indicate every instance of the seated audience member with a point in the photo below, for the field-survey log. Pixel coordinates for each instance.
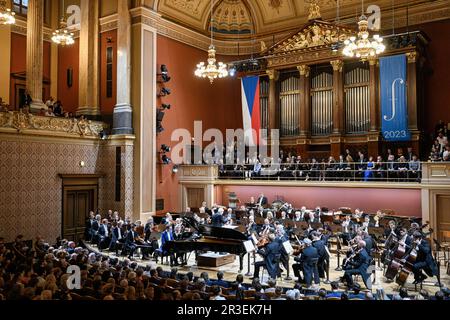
(220, 282)
(216, 291)
(334, 290)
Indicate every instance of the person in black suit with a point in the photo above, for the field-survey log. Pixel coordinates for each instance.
(359, 265)
(272, 255)
(307, 263)
(89, 232)
(129, 245)
(103, 235)
(217, 218)
(319, 244)
(117, 237)
(424, 260)
(262, 200)
(361, 165)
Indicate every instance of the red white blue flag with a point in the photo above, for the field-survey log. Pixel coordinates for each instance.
(251, 109)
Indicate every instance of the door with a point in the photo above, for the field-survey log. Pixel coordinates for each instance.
(195, 197)
(77, 205)
(443, 216)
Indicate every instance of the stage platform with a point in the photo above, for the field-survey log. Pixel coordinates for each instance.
(231, 270)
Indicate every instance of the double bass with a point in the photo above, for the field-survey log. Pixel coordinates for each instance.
(395, 263)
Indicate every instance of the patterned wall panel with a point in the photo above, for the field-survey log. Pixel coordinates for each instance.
(31, 190)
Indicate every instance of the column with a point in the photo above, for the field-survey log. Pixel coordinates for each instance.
(143, 99)
(304, 110)
(338, 97)
(412, 89)
(374, 118)
(89, 63)
(305, 98)
(373, 138)
(273, 78)
(5, 56)
(122, 117)
(35, 52)
(54, 52)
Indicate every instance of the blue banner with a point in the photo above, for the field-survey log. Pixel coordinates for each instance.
(394, 109)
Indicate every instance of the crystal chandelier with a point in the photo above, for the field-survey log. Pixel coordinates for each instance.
(62, 36)
(363, 47)
(6, 15)
(211, 70)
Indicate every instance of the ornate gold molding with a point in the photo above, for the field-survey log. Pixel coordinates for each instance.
(337, 65)
(273, 74)
(314, 11)
(304, 70)
(372, 61)
(412, 56)
(24, 122)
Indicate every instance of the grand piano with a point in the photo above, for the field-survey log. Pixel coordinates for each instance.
(210, 238)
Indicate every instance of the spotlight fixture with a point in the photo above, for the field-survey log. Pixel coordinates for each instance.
(175, 168)
(164, 69)
(165, 148)
(164, 92)
(159, 128)
(165, 106)
(232, 71)
(165, 159)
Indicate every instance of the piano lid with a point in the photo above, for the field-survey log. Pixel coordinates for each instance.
(222, 233)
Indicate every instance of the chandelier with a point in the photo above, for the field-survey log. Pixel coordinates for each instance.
(62, 36)
(6, 15)
(363, 47)
(211, 70)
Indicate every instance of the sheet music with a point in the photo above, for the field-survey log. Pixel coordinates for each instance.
(255, 241)
(249, 246)
(288, 247)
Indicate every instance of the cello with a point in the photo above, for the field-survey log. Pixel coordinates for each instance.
(407, 267)
(395, 263)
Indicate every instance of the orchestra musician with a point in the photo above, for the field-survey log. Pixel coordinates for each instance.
(166, 236)
(281, 237)
(217, 218)
(271, 254)
(358, 263)
(297, 216)
(262, 200)
(252, 227)
(265, 229)
(307, 263)
(323, 261)
(424, 260)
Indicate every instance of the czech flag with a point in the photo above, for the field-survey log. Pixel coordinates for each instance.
(251, 109)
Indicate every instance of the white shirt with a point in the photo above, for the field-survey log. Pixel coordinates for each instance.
(106, 230)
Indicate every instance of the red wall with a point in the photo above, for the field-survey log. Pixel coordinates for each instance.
(218, 105)
(107, 104)
(18, 53)
(18, 63)
(405, 202)
(437, 85)
(68, 57)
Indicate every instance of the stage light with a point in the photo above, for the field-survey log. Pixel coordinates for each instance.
(165, 159)
(159, 115)
(164, 69)
(232, 71)
(164, 92)
(165, 148)
(175, 168)
(165, 106)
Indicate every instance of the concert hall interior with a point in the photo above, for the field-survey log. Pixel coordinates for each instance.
(224, 150)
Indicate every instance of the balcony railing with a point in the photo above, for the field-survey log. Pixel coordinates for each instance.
(356, 171)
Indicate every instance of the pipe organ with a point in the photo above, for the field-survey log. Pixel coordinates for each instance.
(357, 98)
(264, 102)
(332, 102)
(289, 106)
(322, 102)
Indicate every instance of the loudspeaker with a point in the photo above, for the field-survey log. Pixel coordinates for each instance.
(69, 77)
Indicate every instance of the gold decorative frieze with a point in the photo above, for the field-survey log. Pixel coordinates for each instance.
(24, 122)
(412, 56)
